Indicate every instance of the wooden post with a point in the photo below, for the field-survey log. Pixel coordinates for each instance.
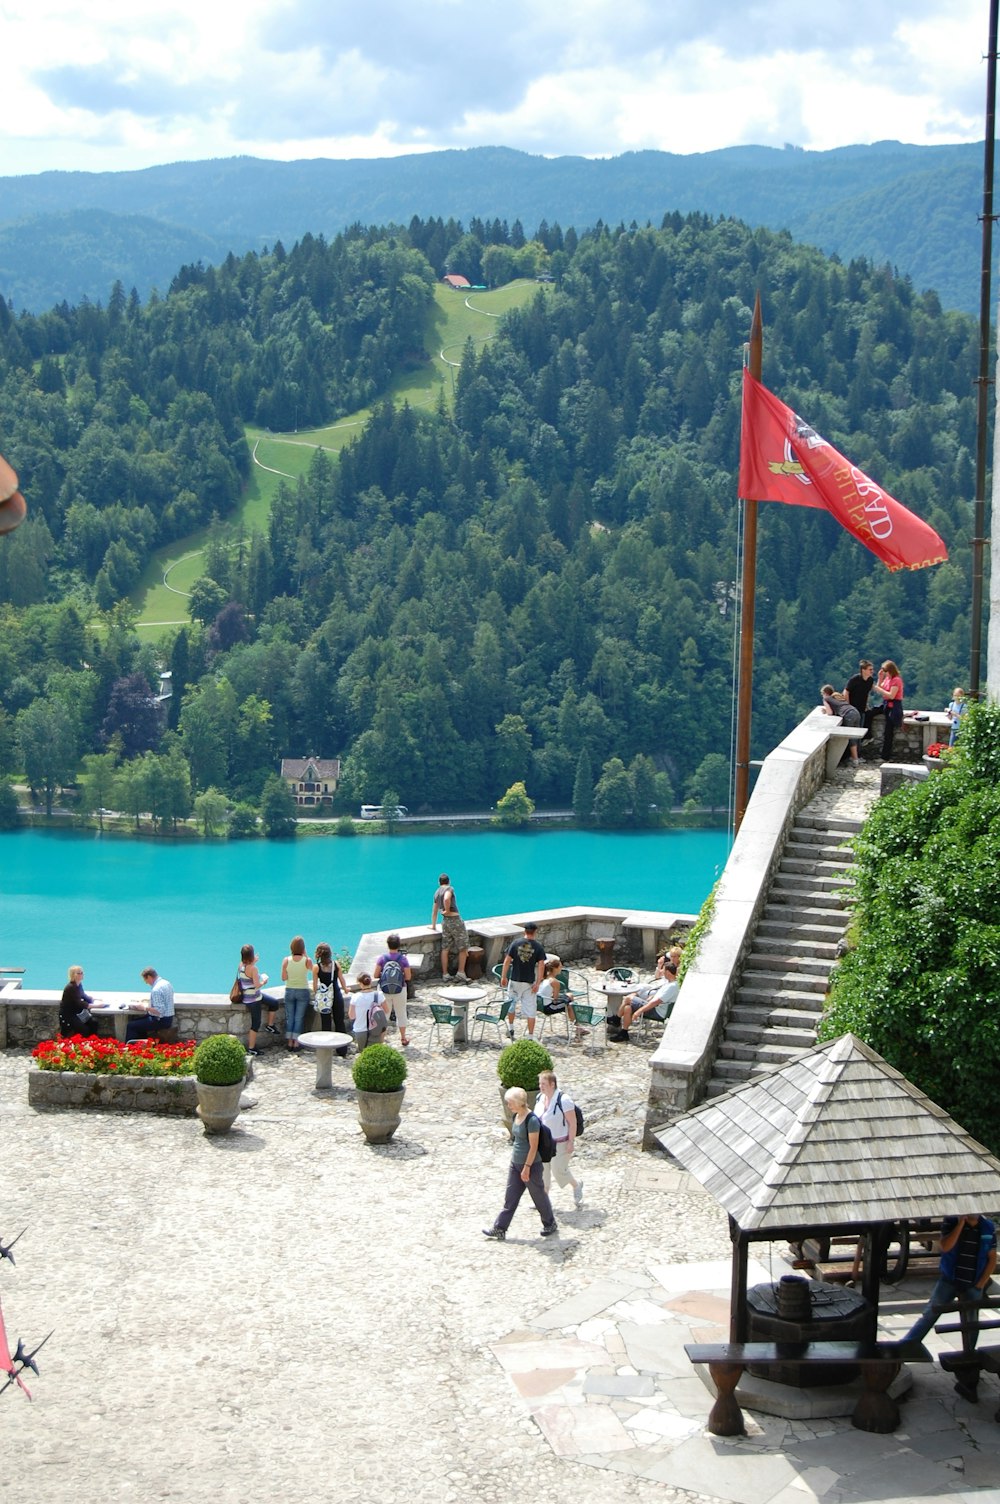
(744, 699)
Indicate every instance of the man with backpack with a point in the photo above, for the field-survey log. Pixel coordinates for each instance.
(392, 975)
(562, 1117)
(525, 1172)
(454, 935)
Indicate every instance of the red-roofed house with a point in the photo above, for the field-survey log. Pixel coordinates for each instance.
(454, 280)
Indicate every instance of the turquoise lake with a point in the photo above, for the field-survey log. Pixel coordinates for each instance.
(114, 905)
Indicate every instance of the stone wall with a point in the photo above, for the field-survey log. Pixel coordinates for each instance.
(172, 1094)
(25, 1021)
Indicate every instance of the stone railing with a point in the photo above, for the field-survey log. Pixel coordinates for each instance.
(789, 778)
(571, 933)
(29, 1015)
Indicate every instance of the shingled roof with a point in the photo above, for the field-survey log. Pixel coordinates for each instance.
(836, 1136)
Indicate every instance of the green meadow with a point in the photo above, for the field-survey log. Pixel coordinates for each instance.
(453, 319)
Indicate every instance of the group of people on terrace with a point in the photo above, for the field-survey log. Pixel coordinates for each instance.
(851, 704)
(531, 981)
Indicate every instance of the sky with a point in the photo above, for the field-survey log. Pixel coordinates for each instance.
(123, 84)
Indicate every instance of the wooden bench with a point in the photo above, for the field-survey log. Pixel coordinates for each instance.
(879, 1362)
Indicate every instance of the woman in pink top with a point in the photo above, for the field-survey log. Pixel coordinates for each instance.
(890, 687)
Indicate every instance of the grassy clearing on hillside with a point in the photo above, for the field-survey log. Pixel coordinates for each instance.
(452, 320)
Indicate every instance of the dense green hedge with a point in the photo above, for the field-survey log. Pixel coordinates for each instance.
(922, 982)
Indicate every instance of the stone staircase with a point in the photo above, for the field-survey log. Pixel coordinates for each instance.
(780, 997)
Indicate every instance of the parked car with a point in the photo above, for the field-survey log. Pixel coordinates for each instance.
(384, 812)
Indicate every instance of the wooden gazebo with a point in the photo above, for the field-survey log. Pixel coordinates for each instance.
(836, 1142)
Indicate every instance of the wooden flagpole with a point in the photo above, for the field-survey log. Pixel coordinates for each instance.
(748, 586)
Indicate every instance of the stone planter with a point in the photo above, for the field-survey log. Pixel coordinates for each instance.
(508, 1120)
(171, 1094)
(219, 1106)
(379, 1113)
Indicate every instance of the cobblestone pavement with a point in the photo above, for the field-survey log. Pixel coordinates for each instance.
(287, 1309)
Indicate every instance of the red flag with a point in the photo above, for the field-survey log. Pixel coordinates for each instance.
(783, 459)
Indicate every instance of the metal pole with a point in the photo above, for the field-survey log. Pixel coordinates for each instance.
(983, 382)
(744, 698)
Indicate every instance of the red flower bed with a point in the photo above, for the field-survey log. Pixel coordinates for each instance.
(91, 1055)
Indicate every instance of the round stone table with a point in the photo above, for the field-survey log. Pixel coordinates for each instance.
(324, 1042)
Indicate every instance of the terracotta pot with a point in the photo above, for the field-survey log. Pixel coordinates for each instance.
(379, 1113)
(219, 1106)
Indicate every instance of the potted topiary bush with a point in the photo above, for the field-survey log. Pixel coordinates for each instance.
(220, 1067)
(519, 1065)
(379, 1072)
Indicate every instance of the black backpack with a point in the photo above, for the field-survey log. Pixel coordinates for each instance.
(391, 978)
(546, 1143)
(578, 1112)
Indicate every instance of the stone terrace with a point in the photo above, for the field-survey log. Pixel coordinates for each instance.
(287, 1311)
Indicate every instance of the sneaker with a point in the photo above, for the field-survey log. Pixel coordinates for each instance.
(460, 976)
(253, 1052)
(496, 1234)
(271, 1029)
(510, 1033)
(578, 1193)
(550, 1231)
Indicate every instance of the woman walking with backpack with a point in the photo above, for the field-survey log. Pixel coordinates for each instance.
(392, 974)
(368, 1020)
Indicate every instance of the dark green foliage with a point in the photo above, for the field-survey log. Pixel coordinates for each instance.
(520, 1063)
(922, 983)
(220, 1060)
(379, 1068)
(9, 816)
(277, 808)
(561, 554)
(242, 822)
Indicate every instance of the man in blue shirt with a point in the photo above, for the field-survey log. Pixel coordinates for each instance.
(159, 1014)
(968, 1258)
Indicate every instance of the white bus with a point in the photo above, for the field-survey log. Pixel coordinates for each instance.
(384, 812)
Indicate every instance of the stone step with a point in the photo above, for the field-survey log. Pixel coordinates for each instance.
(810, 867)
(805, 894)
(811, 883)
(780, 1015)
(795, 945)
(841, 823)
(773, 997)
(808, 835)
(771, 1054)
(740, 1037)
(830, 851)
(813, 930)
(794, 915)
(731, 1071)
(802, 968)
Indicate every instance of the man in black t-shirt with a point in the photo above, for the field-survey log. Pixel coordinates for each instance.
(521, 976)
(858, 687)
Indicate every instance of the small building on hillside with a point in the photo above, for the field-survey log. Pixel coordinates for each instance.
(460, 284)
(312, 780)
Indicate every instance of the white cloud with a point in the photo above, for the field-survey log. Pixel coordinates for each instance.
(124, 85)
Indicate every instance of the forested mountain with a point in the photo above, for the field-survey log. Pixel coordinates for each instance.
(913, 207)
(538, 585)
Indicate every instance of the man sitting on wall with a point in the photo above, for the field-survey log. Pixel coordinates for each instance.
(157, 1021)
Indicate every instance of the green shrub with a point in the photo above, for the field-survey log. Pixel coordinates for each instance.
(220, 1060)
(521, 1062)
(345, 826)
(920, 984)
(379, 1068)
